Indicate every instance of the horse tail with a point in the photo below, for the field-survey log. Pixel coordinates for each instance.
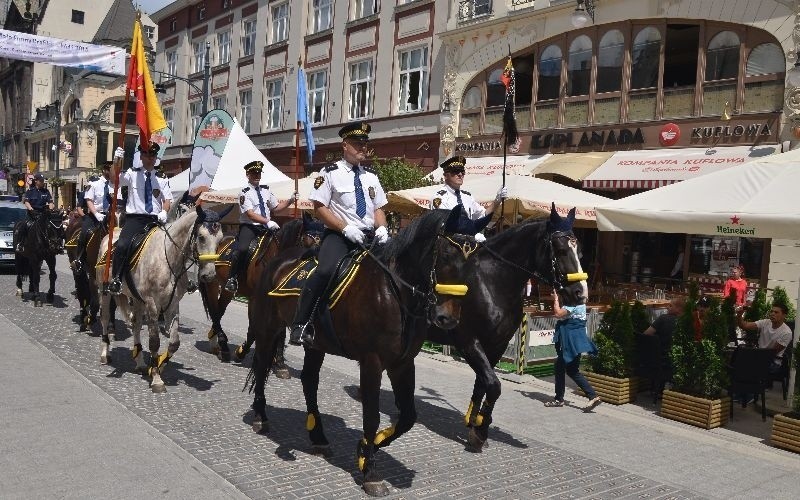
(203, 287)
(21, 265)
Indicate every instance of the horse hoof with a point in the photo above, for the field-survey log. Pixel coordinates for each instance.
(83, 327)
(105, 360)
(282, 373)
(37, 303)
(376, 489)
(50, 298)
(214, 351)
(475, 442)
(19, 292)
(159, 388)
(240, 353)
(321, 450)
(224, 356)
(260, 426)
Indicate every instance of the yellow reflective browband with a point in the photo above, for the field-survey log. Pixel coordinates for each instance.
(577, 277)
(208, 257)
(459, 290)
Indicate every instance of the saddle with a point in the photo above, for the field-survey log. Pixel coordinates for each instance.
(138, 244)
(226, 252)
(345, 274)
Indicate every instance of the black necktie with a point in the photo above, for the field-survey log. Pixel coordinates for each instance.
(361, 202)
(458, 197)
(260, 202)
(105, 197)
(148, 193)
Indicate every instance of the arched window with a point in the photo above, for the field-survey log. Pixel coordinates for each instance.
(495, 90)
(549, 73)
(722, 56)
(472, 98)
(75, 112)
(579, 71)
(645, 58)
(609, 61)
(765, 59)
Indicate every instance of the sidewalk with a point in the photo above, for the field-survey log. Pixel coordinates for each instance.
(62, 437)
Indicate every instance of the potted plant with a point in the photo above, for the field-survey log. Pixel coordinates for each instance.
(611, 369)
(786, 426)
(699, 372)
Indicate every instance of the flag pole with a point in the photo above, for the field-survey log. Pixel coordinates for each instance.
(297, 146)
(118, 167)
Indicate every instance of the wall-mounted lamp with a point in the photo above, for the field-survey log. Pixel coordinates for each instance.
(446, 116)
(584, 12)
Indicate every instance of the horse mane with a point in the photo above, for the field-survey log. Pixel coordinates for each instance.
(290, 234)
(505, 237)
(427, 224)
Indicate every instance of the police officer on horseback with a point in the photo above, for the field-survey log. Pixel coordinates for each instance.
(452, 195)
(97, 203)
(347, 198)
(148, 201)
(256, 202)
(37, 200)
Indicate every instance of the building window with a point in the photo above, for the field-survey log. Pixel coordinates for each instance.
(149, 31)
(173, 25)
(360, 89)
(224, 47)
(219, 102)
(413, 80)
(245, 109)
(77, 16)
(364, 8)
(280, 22)
(470, 9)
(199, 56)
(610, 54)
(579, 71)
(118, 107)
(273, 103)
(317, 84)
(550, 73)
(172, 62)
(169, 117)
(764, 79)
(323, 15)
(765, 59)
(248, 37)
(645, 59)
(195, 115)
(201, 13)
(722, 56)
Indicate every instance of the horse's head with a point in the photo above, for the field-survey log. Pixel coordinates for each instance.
(50, 227)
(312, 231)
(207, 235)
(565, 272)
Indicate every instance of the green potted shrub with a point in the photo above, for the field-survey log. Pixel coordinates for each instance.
(611, 369)
(786, 426)
(700, 375)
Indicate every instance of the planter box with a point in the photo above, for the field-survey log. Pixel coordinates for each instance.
(614, 390)
(701, 412)
(786, 432)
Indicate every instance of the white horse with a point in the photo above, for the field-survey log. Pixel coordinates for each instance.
(160, 280)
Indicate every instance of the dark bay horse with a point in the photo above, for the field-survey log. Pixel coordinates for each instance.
(545, 249)
(43, 241)
(380, 321)
(303, 232)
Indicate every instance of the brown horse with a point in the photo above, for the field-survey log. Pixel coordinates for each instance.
(492, 310)
(303, 232)
(380, 320)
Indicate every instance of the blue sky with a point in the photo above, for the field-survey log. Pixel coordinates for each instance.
(150, 6)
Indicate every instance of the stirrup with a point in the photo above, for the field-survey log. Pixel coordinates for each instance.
(77, 266)
(191, 287)
(297, 334)
(115, 287)
(231, 285)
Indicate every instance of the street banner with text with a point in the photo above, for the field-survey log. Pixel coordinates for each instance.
(60, 52)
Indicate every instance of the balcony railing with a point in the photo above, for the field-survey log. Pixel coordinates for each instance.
(473, 9)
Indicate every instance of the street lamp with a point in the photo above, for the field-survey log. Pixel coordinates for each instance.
(583, 13)
(160, 88)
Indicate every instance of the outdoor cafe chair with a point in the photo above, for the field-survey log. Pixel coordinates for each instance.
(749, 374)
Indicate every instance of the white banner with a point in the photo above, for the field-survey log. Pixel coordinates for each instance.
(59, 52)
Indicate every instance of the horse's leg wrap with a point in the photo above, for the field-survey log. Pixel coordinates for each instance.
(315, 430)
(364, 453)
(260, 422)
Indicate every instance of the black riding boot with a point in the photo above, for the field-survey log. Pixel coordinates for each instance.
(22, 233)
(232, 282)
(302, 329)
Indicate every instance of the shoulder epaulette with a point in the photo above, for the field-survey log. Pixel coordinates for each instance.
(246, 189)
(466, 192)
(263, 186)
(331, 167)
(370, 169)
(443, 191)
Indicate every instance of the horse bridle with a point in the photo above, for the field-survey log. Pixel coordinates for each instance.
(559, 278)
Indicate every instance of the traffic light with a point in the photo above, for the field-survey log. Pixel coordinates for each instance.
(19, 184)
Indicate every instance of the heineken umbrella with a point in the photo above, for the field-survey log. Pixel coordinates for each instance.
(756, 200)
(526, 196)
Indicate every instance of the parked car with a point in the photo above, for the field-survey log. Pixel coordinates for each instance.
(10, 213)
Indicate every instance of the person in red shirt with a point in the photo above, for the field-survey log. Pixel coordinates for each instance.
(736, 284)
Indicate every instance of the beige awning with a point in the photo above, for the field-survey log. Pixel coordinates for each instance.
(575, 166)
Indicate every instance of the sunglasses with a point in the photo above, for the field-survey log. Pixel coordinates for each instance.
(457, 173)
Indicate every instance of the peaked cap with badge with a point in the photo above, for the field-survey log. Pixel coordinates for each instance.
(152, 149)
(254, 166)
(357, 131)
(454, 164)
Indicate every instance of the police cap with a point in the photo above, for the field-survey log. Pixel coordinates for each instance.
(254, 167)
(152, 149)
(454, 164)
(38, 177)
(357, 131)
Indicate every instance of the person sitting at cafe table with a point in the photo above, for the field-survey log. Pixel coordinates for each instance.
(663, 328)
(773, 333)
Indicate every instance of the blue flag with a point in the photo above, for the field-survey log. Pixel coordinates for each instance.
(302, 112)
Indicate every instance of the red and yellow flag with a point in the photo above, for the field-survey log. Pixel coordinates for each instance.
(149, 117)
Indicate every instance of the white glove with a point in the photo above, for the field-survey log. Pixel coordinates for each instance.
(273, 225)
(353, 233)
(480, 238)
(502, 194)
(99, 216)
(119, 153)
(382, 235)
(162, 216)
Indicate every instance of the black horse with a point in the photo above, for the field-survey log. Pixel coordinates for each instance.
(380, 320)
(545, 249)
(43, 241)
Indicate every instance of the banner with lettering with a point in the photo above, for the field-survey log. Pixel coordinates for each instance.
(60, 52)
